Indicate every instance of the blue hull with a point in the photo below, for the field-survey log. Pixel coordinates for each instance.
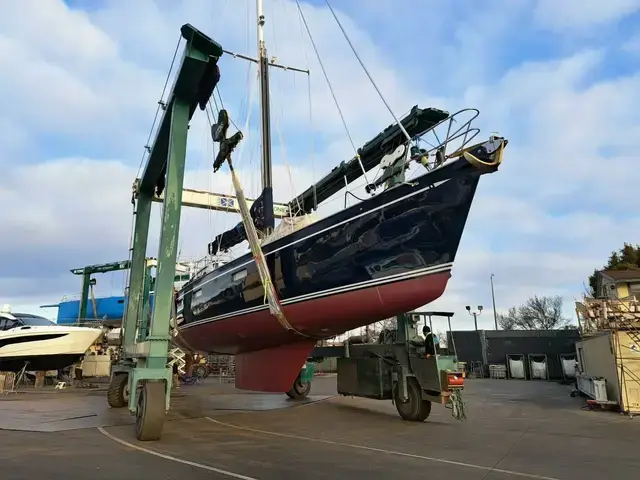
(108, 308)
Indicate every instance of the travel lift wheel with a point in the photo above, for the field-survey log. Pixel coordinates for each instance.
(299, 390)
(150, 411)
(118, 392)
(415, 409)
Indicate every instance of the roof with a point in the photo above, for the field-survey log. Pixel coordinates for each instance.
(622, 275)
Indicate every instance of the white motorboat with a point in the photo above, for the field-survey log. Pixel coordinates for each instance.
(39, 343)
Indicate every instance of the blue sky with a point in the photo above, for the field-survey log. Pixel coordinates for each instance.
(560, 79)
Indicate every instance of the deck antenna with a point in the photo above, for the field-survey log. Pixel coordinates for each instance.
(265, 121)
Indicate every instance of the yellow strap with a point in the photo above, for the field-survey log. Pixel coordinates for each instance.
(270, 293)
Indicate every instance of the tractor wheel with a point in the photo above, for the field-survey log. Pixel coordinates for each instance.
(415, 408)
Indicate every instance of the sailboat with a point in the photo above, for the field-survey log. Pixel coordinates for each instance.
(387, 254)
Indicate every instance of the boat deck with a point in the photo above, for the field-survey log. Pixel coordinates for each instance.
(515, 429)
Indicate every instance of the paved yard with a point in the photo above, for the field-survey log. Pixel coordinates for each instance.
(515, 429)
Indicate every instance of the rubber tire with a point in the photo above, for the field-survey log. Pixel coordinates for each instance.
(299, 390)
(150, 411)
(118, 392)
(415, 409)
(200, 371)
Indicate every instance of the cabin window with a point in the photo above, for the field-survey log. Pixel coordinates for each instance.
(236, 277)
(7, 323)
(121, 301)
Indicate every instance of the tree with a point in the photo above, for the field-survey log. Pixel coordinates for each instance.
(537, 313)
(442, 338)
(626, 258)
(510, 320)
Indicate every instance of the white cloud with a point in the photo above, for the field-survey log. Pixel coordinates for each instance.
(81, 89)
(582, 14)
(632, 45)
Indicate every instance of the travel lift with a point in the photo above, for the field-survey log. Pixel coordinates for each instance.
(397, 368)
(142, 380)
(88, 282)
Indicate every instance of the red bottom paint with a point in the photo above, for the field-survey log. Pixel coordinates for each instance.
(269, 358)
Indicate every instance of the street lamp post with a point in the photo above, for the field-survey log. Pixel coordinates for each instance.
(475, 314)
(493, 299)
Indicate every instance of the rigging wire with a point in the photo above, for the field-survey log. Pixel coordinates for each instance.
(246, 126)
(147, 149)
(161, 104)
(313, 144)
(222, 107)
(215, 102)
(212, 116)
(281, 139)
(326, 76)
(406, 134)
(310, 102)
(284, 156)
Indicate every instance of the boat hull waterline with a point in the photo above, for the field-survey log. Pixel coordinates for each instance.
(386, 255)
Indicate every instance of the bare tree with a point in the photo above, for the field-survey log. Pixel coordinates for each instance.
(510, 320)
(442, 338)
(377, 327)
(537, 313)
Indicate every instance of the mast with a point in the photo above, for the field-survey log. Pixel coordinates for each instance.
(265, 122)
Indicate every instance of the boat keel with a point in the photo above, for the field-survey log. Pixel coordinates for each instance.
(272, 369)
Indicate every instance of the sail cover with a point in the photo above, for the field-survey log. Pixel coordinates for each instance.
(262, 217)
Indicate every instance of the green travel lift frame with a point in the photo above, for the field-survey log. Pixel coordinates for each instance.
(142, 379)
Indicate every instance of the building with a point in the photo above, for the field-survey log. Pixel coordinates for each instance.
(620, 283)
(610, 345)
